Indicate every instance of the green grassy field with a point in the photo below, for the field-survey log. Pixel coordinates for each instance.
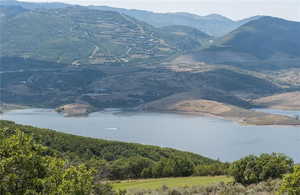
(170, 182)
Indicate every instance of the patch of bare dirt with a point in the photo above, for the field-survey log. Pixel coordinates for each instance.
(206, 106)
(74, 109)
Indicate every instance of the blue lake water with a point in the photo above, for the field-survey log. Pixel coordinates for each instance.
(214, 138)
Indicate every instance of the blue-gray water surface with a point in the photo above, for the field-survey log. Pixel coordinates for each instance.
(211, 137)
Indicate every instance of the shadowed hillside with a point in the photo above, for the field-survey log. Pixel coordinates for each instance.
(264, 38)
(264, 44)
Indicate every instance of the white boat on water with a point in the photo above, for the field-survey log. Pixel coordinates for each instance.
(112, 128)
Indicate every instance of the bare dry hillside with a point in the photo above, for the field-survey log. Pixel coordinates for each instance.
(285, 101)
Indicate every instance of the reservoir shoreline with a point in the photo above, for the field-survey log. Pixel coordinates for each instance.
(209, 136)
(242, 116)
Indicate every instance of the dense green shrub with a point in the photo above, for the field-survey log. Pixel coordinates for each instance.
(26, 168)
(291, 182)
(138, 167)
(254, 169)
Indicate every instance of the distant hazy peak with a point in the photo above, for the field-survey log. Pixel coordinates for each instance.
(266, 21)
(272, 18)
(265, 38)
(246, 20)
(217, 17)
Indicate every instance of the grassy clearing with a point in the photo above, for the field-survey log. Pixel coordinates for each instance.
(170, 182)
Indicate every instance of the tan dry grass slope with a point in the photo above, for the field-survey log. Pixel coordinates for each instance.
(285, 101)
(186, 103)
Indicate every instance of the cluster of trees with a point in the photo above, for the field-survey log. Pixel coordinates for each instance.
(255, 169)
(140, 167)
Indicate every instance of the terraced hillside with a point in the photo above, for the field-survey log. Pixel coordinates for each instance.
(77, 35)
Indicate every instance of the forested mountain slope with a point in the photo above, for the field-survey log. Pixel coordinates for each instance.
(266, 43)
(265, 37)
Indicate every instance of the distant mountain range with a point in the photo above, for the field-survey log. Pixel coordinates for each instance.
(213, 24)
(92, 36)
(109, 57)
(31, 5)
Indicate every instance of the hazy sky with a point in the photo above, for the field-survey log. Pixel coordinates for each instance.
(235, 9)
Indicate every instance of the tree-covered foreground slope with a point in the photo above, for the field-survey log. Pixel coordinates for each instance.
(117, 160)
(86, 148)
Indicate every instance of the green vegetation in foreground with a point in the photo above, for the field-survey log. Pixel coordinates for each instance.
(254, 169)
(169, 182)
(32, 169)
(291, 182)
